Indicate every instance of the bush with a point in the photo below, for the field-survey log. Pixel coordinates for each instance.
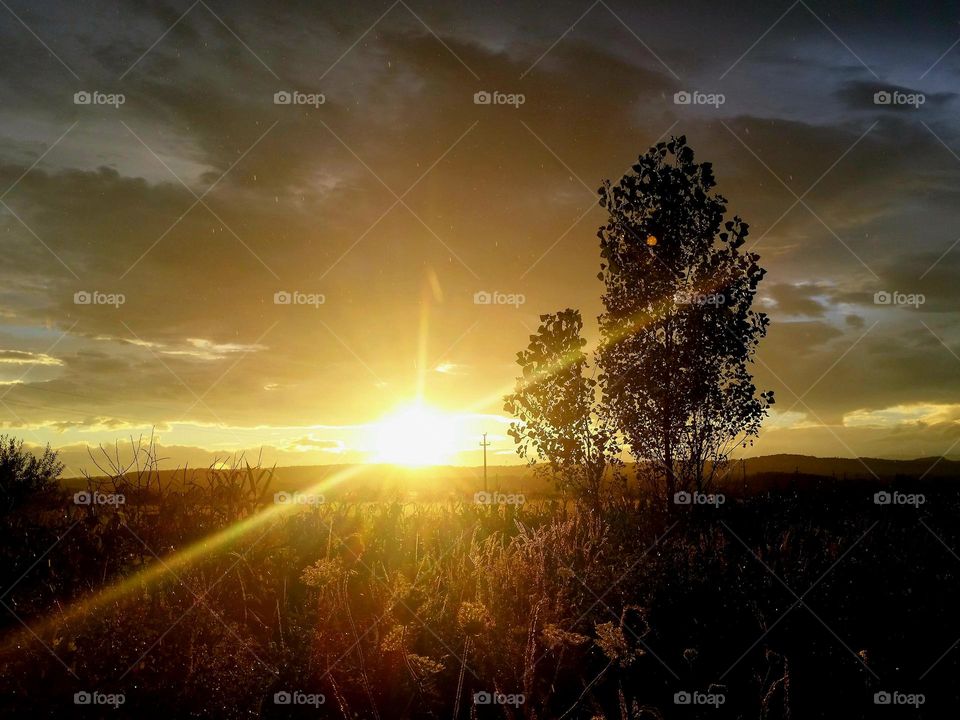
(23, 475)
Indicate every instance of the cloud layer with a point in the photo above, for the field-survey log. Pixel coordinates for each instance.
(146, 243)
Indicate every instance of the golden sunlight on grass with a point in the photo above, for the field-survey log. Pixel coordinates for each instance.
(414, 436)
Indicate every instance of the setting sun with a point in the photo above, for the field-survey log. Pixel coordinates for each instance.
(414, 435)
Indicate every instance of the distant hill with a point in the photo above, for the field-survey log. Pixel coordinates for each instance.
(368, 482)
(852, 468)
(375, 481)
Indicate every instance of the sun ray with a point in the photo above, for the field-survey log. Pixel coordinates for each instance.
(169, 566)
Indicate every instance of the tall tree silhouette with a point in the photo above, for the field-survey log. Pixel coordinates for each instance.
(678, 329)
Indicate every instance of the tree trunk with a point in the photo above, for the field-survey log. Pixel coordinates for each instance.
(671, 478)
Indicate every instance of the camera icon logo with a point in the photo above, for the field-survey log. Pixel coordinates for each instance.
(282, 698)
(682, 698)
(682, 98)
(282, 297)
(82, 698)
(882, 498)
(482, 297)
(682, 498)
(482, 698)
(82, 498)
(882, 297)
(82, 97)
(282, 498)
(482, 97)
(82, 297)
(882, 698)
(282, 97)
(882, 97)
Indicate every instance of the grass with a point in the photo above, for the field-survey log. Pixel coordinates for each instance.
(393, 610)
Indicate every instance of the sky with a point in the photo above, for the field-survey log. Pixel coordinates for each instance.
(245, 225)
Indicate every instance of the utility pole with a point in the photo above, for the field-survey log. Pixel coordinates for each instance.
(484, 445)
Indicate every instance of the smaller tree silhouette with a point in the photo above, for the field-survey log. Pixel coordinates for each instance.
(555, 407)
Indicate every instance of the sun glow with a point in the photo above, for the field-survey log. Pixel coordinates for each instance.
(414, 436)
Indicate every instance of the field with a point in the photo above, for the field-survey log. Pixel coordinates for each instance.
(798, 596)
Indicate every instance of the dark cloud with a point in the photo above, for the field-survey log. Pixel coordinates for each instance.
(883, 97)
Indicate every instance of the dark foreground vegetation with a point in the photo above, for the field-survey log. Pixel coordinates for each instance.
(803, 602)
